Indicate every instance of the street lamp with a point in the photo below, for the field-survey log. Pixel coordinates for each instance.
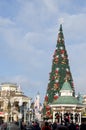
(20, 113)
(31, 114)
(25, 113)
(11, 102)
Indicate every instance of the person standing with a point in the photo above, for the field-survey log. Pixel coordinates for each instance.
(46, 126)
(83, 126)
(54, 126)
(36, 126)
(72, 126)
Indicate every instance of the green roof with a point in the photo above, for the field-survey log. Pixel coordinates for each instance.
(66, 100)
(66, 86)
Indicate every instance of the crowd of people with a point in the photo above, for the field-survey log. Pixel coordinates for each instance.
(54, 126)
(45, 125)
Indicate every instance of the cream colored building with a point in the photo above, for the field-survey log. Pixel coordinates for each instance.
(12, 101)
(84, 110)
(67, 107)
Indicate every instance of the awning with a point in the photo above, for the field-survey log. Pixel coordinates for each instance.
(1, 114)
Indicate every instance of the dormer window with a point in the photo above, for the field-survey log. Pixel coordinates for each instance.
(66, 89)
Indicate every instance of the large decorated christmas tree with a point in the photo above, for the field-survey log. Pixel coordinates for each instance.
(60, 72)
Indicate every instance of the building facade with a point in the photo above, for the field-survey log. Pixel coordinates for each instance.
(66, 107)
(12, 102)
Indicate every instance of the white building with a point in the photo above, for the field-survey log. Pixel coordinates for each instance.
(10, 97)
(67, 107)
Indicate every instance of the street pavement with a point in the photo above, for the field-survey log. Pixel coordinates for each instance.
(12, 126)
(9, 126)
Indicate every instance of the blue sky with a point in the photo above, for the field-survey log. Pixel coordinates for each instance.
(28, 34)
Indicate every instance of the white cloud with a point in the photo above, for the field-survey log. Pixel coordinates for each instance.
(50, 5)
(77, 54)
(29, 40)
(6, 21)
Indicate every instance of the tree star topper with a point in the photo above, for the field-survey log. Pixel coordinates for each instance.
(61, 20)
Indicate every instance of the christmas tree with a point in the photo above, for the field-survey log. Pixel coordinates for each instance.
(60, 71)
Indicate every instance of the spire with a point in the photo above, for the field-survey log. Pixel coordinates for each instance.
(60, 28)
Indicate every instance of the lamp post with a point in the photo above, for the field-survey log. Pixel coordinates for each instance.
(20, 113)
(29, 103)
(30, 114)
(11, 102)
(20, 120)
(25, 112)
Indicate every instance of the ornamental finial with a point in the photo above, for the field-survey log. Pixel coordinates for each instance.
(61, 20)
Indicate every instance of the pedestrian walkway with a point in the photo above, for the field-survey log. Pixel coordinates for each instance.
(12, 126)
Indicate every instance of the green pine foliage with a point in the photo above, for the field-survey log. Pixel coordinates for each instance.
(60, 70)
